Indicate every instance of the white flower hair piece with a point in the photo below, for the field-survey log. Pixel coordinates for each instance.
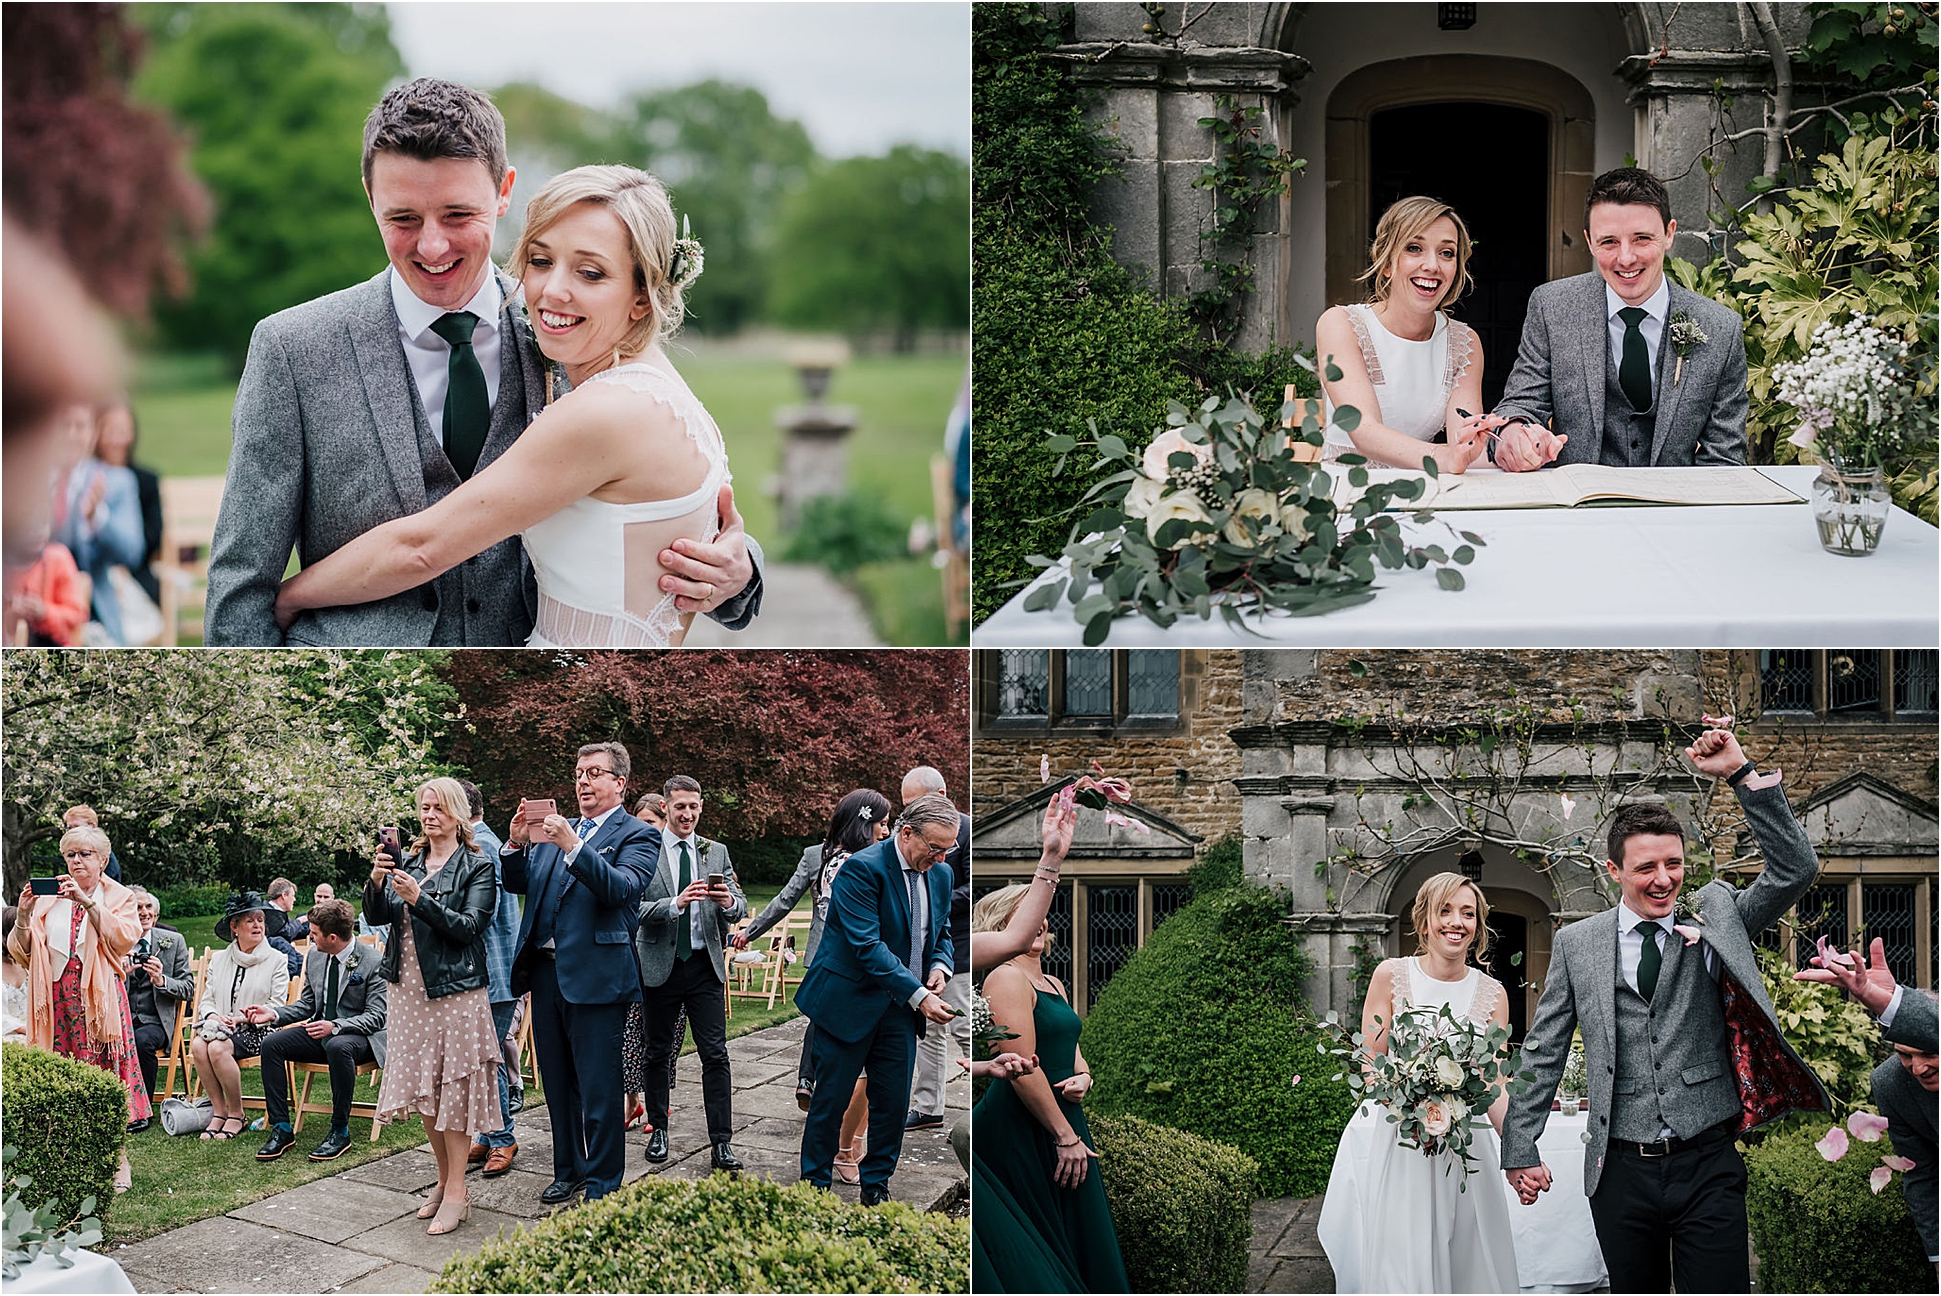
(685, 266)
(863, 813)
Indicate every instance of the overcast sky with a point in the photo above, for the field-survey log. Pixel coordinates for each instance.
(859, 76)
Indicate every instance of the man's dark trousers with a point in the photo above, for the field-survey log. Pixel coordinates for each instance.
(578, 1046)
(887, 1054)
(1679, 1218)
(343, 1052)
(150, 1040)
(692, 983)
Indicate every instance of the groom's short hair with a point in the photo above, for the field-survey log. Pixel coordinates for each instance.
(1639, 820)
(429, 119)
(1625, 186)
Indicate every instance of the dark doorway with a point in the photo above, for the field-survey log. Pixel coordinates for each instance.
(1509, 938)
(1492, 164)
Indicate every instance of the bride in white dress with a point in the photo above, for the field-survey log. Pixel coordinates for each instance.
(1393, 1219)
(1406, 366)
(612, 473)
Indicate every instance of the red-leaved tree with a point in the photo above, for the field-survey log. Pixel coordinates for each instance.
(775, 738)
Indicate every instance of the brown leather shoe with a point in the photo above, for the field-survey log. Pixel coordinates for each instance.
(476, 1155)
(501, 1160)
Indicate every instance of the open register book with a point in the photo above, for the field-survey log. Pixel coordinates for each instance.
(1575, 484)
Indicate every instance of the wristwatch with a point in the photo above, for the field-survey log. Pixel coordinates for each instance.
(1740, 775)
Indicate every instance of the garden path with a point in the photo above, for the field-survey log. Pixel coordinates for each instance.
(356, 1232)
(803, 606)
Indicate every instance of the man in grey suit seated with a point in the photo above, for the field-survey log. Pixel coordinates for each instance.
(378, 401)
(337, 1020)
(1670, 1022)
(1621, 366)
(1905, 1084)
(685, 914)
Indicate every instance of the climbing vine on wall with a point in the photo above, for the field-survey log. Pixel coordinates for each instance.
(1249, 167)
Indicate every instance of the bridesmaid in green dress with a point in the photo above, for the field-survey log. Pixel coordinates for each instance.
(1036, 1190)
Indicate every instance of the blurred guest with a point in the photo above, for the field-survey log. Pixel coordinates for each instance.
(283, 894)
(13, 986)
(46, 601)
(324, 891)
(75, 944)
(247, 972)
(651, 810)
(115, 446)
(98, 516)
(83, 816)
(159, 979)
(495, 1148)
(443, 1054)
(957, 444)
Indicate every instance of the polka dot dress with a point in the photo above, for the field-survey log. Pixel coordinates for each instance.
(442, 1055)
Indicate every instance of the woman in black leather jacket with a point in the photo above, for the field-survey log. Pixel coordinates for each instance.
(444, 1054)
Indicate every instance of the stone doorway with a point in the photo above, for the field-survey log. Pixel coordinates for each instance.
(1509, 955)
(1420, 149)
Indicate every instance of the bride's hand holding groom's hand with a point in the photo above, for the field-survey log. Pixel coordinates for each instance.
(1529, 1181)
(704, 575)
(1523, 448)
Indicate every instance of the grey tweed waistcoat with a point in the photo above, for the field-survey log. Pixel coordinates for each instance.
(1627, 434)
(1667, 1051)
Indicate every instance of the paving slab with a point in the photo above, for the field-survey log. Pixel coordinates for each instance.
(1271, 1216)
(391, 1278)
(328, 1210)
(221, 1254)
(410, 1171)
(406, 1241)
(753, 1074)
(515, 1192)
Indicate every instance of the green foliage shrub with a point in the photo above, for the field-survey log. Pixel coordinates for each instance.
(67, 1120)
(1831, 1032)
(1181, 1204)
(842, 532)
(1204, 1030)
(722, 1234)
(767, 861)
(192, 901)
(1219, 866)
(1818, 1227)
(1064, 334)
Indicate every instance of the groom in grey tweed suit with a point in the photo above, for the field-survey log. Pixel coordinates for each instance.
(341, 414)
(1681, 1047)
(1598, 378)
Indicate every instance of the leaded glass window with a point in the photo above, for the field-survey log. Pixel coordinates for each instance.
(1113, 934)
(1088, 682)
(1853, 680)
(1168, 898)
(1915, 679)
(1887, 908)
(1821, 911)
(1786, 678)
(1024, 682)
(1152, 682)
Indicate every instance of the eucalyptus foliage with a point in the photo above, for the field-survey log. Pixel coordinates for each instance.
(32, 1232)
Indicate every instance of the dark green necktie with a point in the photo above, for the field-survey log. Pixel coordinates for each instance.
(330, 992)
(467, 411)
(683, 929)
(1649, 960)
(1634, 371)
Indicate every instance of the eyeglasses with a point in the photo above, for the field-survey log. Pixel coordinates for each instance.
(588, 775)
(936, 852)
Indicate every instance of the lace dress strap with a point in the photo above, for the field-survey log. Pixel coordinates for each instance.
(1482, 1001)
(1400, 1000)
(1357, 315)
(1462, 350)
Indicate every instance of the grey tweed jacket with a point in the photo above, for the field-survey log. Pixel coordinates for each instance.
(654, 938)
(1702, 1086)
(1559, 377)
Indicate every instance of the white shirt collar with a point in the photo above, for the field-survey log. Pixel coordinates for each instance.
(1629, 921)
(417, 316)
(600, 820)
(1657, 306)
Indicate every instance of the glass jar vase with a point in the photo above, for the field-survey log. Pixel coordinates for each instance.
(1850, 508)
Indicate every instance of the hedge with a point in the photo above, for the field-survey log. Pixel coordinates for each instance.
(1204, 1030)
(68, 1120)
(194, 901)
(1182, 1205)
(1818, 1227)
(722, 1234)
(1063, 332)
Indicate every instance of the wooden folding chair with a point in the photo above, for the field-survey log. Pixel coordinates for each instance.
(1307, 407)
(956, 566)
(796, 925)
(528, 1059)
(178, 1054)
(311, 1070)
(189, 506)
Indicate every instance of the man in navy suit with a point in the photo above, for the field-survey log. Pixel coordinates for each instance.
(582, 880)
(877, 978)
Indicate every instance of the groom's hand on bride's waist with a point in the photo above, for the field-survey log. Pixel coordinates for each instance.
(702, 575)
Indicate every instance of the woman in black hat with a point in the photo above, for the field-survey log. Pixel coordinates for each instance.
(246, 972)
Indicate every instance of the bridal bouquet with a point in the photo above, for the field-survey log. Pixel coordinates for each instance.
(1219, 512)
(1439, 1074)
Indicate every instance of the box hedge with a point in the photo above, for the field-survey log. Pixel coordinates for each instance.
(1818, 1227)
(722, 1234)
(68, 1121)
(1063, 332)
(1204, 1030)
(1182, 1205)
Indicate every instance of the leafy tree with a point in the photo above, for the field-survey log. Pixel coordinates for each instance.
(775, 738)
(730, 163)
(276, 96)
(878, 244)
(103, 178)
(293, 752)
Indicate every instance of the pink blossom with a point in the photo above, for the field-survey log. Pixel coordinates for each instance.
(1164, 446)
(1866, 1126)
(1569, 805)
(1114, 789)
(1834, 1145)
(1114, 817)
(1879, 1179)
(1691, 934)
(1899, 1163)
(1804, 436)
(1044, 769)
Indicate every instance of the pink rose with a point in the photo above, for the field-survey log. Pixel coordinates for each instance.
(1166, 444)
(1436, 1115)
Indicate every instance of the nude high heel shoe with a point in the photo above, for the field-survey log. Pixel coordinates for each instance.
(450, 1217)
(849, 1162)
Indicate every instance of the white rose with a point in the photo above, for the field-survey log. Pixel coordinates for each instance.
(1145, 493)
(1167, 444)
(1448, 1074)
(1256, 504)
(1182, 505)
(1294, 520)
(1436, 1117)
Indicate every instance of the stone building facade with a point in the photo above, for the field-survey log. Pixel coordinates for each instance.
(1352, 777)
(1504, 110)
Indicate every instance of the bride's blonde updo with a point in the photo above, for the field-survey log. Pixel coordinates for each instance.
(639, 202)
(1406, 218)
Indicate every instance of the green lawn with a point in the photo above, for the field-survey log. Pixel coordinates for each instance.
(184, 404)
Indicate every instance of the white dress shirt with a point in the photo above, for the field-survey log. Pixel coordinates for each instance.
(1631, 944)
(919, 918)
(1657, 307)
(430, 356)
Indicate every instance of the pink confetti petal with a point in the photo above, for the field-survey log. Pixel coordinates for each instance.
(1834, 1145)
(1866, 1126)
(1115, 789)
(1098, 769)
(1879, 1179)
(1569, 805)
(1044, 769)
(1691, 934)
(1899, 1163)
(1297, 1079)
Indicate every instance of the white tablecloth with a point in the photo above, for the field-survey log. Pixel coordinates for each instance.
(89, 1273)
(1745, 576)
